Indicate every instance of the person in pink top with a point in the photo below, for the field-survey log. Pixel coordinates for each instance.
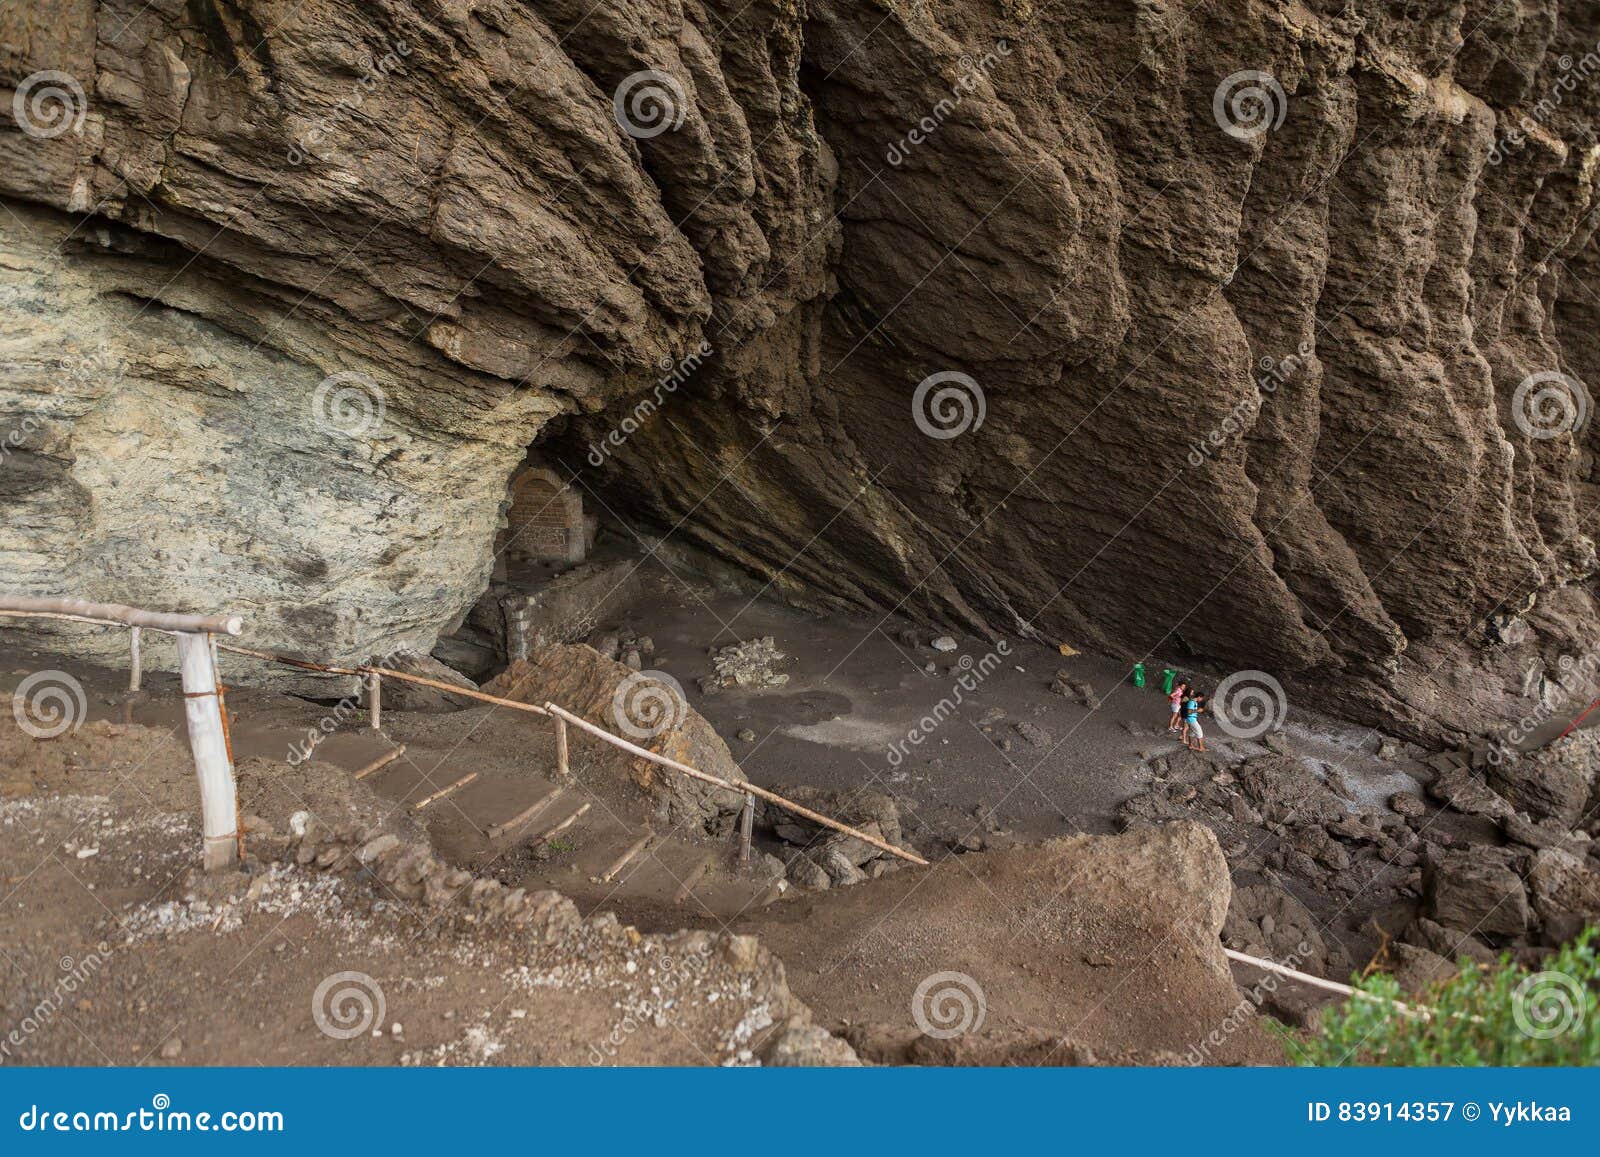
(1176, 699)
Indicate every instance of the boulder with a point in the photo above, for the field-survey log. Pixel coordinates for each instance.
(1565, 892)
(1474, 891)
(871, 811)
(398, 695)
(838, 866)
(1418, 969)
(806, 873)
(1453, 946)
(1520, 829)
(647, 709)
(1550, 785)
(1284, 788)
(808, 1046)
(1407, 805)
(858, 852)
(1270, 923)
(1464, 791)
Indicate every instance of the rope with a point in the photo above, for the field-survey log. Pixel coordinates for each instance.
(1319, 982)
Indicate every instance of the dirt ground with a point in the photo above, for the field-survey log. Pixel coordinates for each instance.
(118, 952)
(853, 956)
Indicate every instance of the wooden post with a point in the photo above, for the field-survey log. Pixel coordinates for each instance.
(444, 791)
(381, 762)
(551, 833)
(524, 815)
(219, 807)
(747, 823)
(561, 747)
(623, 860)
(136, 662)
(82, 611)
(375, 699)
(686, 889)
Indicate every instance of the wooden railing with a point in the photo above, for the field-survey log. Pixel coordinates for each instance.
(206, 713)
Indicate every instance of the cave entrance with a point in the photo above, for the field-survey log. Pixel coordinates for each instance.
(551, 582)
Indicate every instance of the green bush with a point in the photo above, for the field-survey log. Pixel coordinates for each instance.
(1502, 1014)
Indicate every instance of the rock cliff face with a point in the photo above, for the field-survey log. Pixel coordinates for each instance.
(289, 288)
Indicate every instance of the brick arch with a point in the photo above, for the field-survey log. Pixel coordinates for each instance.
(545, 520)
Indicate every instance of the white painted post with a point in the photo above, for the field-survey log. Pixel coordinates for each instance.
(219, 806)
(747, 820)
(375, 699)
(136, 668)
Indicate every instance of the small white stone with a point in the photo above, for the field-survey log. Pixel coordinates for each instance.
(944, 643)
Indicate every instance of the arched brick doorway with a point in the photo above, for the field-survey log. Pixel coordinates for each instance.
(545, 522)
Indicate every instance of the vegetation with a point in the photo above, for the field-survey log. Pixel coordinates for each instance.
(1497, 1015)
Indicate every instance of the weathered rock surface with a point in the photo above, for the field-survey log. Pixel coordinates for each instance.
(1269, 923)
(808, 1046)
(1565, 893)
(1450, 945)
(1419, 969)
(399, 695)
(1552, 784)
(644, 707)
(267, 208)
(820, 857)
(1475, 892)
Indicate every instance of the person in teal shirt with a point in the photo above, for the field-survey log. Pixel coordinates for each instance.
(1193, 734)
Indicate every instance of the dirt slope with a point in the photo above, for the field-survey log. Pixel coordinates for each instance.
(1107, 944)
(1088, 948)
